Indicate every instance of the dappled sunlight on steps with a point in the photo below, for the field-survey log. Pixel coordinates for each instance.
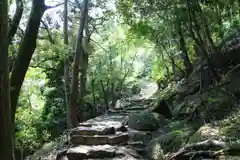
(103, 137)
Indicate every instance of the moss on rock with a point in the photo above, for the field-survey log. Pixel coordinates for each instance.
(146, 121)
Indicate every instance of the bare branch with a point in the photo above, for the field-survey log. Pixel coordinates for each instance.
(51, 7)
(99, 45)
(48, 32)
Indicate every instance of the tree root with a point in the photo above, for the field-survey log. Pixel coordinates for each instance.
(206, 149)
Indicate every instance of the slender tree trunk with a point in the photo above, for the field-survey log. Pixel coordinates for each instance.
(186, 60)
(174, 65)
(25, 52)
(16, 20)
(206, 27)
(6, 129)
(66, 60)
(93, 90)
(219, 20)
(199, 40)
(105, 94)
(165, 64)
(72, 108)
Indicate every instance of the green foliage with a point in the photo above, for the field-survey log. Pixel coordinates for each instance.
(29, 111)
(25, 130)
(141, 28)
(138, 39)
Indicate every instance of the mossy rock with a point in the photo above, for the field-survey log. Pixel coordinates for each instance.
(171, 141)
(229, 127)
(218, 105)
(173, 126)
(206, 132)
(146, 121)
(186, 107)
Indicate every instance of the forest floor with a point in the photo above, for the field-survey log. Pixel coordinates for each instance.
(136, 130)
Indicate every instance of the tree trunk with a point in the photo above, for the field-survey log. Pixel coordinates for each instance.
(206, 27)
(165, 65)
(66, 60)
(199, 40)
(72, 108)
(25, 52)
(84, 63)
(174, 65)
(114, 94)
(6, 143)
(219, 20)
(83, 78)
(187, 63)
(93, 90)
(16, 20)
(105, 94)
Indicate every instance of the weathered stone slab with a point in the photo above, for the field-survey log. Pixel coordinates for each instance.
(93, 130)
(119, 138)
(86, 152)
(100, 152)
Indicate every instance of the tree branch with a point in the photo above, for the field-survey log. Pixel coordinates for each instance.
(48, 32)
(55, 6)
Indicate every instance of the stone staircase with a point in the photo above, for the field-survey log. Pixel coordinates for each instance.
(102, 138)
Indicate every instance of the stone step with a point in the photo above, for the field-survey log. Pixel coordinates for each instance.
(99, 127)
(99, 151)
(118, 138)
(133, 108)
(102, 152)
(93, 130)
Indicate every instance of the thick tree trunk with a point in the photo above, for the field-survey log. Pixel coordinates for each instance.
(84, 63)
(72, 108)
(25, 52)
(83, 78)
(6, 143)
(16, 20)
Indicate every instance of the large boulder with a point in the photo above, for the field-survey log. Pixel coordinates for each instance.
(174, 94)
(163, 108)
(187, 106)
(146, 121)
